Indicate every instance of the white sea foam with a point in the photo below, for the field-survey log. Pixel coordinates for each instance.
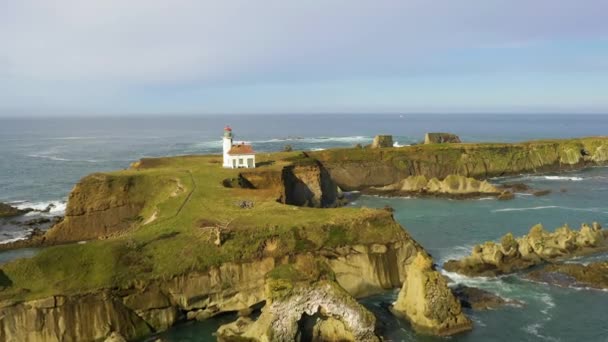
(561, 178)
(397, 144)
(55, 158)
(13, 239)
(591, 210)
(317, 149)
(533, 329)
(317, 140)
(58, 209)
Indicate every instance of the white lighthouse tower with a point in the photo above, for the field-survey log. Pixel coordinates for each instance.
(236, 156)
(227, 145)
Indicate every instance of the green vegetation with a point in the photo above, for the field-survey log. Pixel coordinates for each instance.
(183, 200)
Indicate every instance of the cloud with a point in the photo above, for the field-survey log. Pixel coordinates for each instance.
(160, 41)
(141, 44)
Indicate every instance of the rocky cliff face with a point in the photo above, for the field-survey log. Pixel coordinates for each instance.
(318, 311)
(357, 169)
(309, 186)
(156, 305)
(99, 205)
(427, 301)
(69, 319)
(539, 246)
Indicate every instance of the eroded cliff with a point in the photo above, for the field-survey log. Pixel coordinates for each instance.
(357, 169)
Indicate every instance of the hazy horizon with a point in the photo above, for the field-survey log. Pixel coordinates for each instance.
(112, 58)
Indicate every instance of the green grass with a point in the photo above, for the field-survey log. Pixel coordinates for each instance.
(177, 242)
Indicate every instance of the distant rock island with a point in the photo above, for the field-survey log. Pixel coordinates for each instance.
(182, 238)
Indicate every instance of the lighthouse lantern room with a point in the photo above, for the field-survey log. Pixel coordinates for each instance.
(240, 155)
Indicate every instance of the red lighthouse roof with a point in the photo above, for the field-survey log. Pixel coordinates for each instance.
(227, 128)
(241, 148)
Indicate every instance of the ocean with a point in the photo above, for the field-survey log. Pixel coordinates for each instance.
(41, 159)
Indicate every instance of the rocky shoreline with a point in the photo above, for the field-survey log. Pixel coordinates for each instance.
(536, 248)
(166, 243)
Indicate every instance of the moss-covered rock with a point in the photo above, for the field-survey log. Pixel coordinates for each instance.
(381, 141)
(538, 246)
(428, 303)
(304, 305)
(452, 186)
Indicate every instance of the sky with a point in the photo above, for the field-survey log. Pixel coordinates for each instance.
(117, 57)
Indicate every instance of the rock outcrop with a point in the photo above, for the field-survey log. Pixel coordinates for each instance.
(308, 186)
(9, 211)
(441, 138)
(593, 275)
(451, 186)
(428, 303)
(381, 141)
(539, 246)
(299, 308)
(99, 205)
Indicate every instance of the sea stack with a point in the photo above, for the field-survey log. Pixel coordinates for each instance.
(381, 141)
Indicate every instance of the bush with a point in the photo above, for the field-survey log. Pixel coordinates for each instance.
(287, 148)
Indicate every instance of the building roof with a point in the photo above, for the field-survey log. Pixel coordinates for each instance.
(241, 149)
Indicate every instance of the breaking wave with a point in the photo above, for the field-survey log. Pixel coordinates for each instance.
(55, 158)
(563, 178)
(57, 207)
(591, 210)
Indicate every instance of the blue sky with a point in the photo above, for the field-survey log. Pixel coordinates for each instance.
(60, 57)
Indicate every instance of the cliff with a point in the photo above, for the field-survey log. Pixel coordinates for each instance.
(102, 205)
(155, 305)
(358, 169)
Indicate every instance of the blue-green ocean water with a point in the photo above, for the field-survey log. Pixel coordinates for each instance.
(41, 159)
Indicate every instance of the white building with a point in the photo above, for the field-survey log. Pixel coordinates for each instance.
(237, 155)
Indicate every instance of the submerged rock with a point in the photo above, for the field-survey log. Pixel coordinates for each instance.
(451, 186)
(514, 254)
(428, 303)
(594, 275)
(478, 299)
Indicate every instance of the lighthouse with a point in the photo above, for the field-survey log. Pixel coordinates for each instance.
(240, 155)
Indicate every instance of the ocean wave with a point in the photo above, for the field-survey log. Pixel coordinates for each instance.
(397, 144)
(19, 238)
(559, 178)
(55, 158)
(591, 210)
(316, 140)
(457, 253)
(317, 149)
(533, 329)
(58, 209)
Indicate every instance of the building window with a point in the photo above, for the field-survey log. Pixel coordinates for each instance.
(241, 161)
